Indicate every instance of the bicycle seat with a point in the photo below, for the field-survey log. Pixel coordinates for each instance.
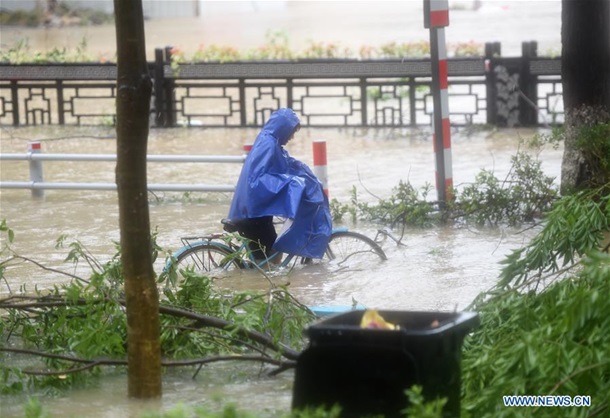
(229, 225)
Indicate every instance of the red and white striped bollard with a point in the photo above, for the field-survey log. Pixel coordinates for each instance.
(320, 165)
(436, 17)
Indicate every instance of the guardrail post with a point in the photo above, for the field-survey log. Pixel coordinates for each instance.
(528, 112)
(36, 175)
(320, 166)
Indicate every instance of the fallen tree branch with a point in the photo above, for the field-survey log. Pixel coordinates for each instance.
(29, 260)
(210, 321)
(91, 363)
(199, 320)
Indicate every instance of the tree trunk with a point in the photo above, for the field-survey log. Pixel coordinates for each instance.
(142, 299)
(585, 59)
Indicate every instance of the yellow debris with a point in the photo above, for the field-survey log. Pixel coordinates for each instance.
(372, 320)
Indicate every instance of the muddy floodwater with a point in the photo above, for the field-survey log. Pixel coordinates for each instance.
(434, 269)
(437, 269)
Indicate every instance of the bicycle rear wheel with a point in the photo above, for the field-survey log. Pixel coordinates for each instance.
(353, 250)
(206, 258)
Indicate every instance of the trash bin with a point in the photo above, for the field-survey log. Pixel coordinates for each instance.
(367, 371)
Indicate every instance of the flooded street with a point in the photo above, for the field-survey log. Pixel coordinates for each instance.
(436, 269)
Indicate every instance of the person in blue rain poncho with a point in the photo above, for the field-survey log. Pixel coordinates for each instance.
(272, 183)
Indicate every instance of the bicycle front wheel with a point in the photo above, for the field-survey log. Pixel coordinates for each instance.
(206, 258)
(352, 249)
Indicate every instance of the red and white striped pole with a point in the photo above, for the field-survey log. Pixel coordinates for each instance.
(436, 17)
(320, 168)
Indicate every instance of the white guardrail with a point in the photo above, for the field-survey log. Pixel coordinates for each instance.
(38, 185)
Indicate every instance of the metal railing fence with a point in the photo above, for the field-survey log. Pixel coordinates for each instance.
(491, 89)
(37, 184)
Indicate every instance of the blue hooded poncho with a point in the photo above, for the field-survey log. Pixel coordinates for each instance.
(272, 183)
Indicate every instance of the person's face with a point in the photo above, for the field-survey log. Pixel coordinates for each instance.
(294, 132)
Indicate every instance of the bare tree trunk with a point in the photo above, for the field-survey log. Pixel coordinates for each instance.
(585, 36)
(142, 299)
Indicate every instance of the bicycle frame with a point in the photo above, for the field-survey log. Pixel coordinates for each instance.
(226, 251)
(226, 241)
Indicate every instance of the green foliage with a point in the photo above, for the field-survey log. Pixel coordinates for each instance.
(467, 49)
(21, 53)
(231, 411)
(525, 195)
(274, 313)
(404, 50)
(182, 411)
(419, 408)
(407, 206)
(575, 226)
(33, 409)
(321, 50)
(79, 319)
(538, 338)
(276, 47)
(7, 236)
(550, 343)
(338, 210)
(553, 138)
(10, 235)
(84, 321)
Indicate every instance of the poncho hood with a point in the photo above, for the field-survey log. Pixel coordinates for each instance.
(281, 125)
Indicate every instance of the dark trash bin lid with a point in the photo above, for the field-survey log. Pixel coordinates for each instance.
(411, 324)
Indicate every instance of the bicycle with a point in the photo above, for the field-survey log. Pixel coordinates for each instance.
(227, 251)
